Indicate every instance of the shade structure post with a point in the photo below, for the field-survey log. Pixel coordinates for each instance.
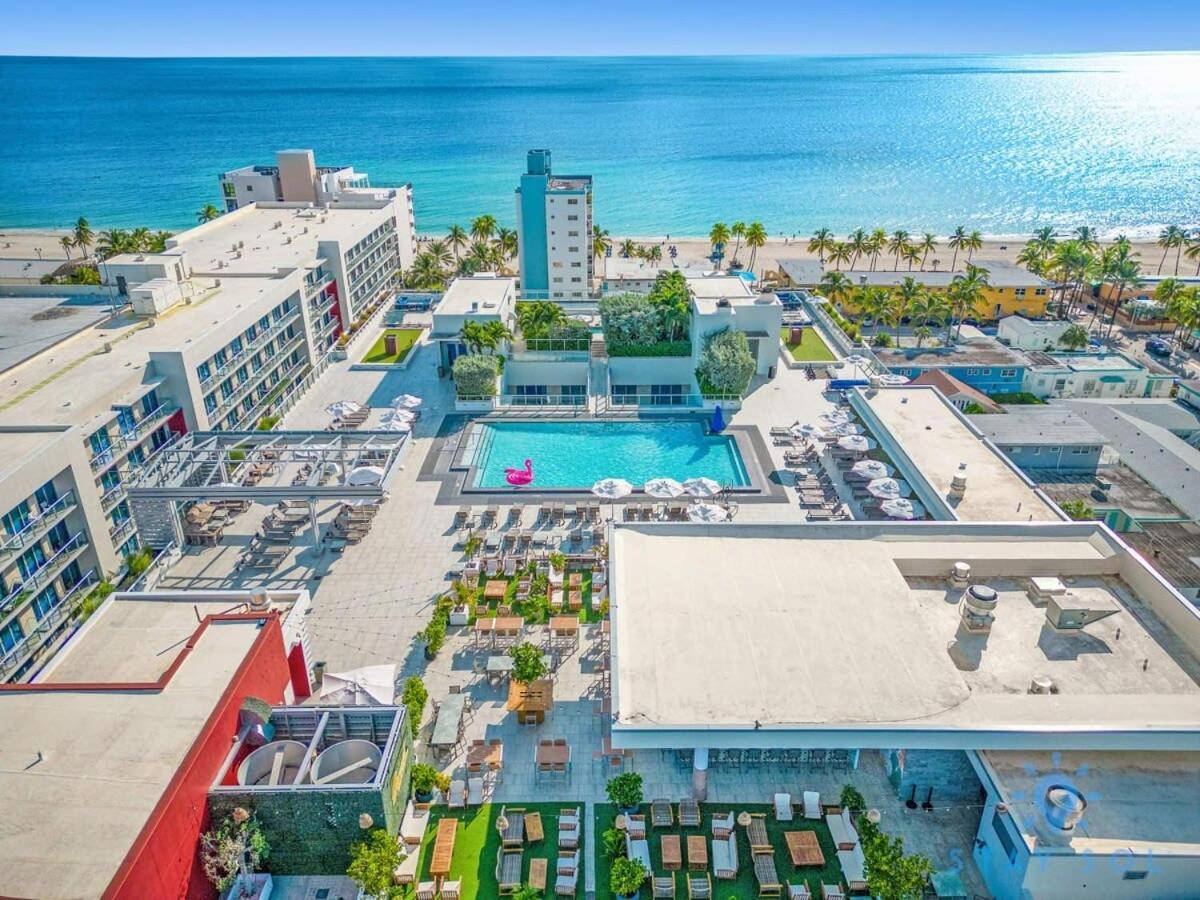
(700, 774)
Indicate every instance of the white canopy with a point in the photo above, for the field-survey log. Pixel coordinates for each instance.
(403, 415)
(664, 488)
(807, 431)
(847, 428)
(707, 512)
(903, 509)
(365, 475)
(344, 408)
(872, 468)
(832, 418)
(857, 443)
(368, 686)
(612, 488)
(401, 426)
(701, 487)
(888, 488)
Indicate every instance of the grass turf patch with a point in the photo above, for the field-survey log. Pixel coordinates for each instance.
(745, 884)
(811, 349)
(478, 842)
(405, 338)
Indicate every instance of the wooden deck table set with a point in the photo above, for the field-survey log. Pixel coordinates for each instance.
(804, 849)
(672, 853)
(443, 847)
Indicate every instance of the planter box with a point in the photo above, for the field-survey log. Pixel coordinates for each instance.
(459, 616)
(256, 887)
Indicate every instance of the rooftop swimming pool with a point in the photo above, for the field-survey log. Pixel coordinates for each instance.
(576, 454)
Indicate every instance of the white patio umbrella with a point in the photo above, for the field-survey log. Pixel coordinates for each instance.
(903, 509)
(847, 428)
(835, 417)
(407, 401)
(398, 425)
(892, 379)
(612, 489)
(403, 415)
(888, 488)
(344, 408)
(857, 443)
(872, 468)
(807, 430)
(707, 512)
(368, 686)
(701, 487)
(365, 475)
(663, 488)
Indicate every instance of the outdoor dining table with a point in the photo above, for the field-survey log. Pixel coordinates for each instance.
(485, 756)
(449, 718)
(575, 581)
(803, 848)
(443, 847)
(553, 754)
(564, 626)
(495, 589)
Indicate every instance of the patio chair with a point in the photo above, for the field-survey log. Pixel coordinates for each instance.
(799, 891)
(457, 797)
(832, 892)
(569, 828)
(566, 884)
(510, 566)
(426, 890)
(722, 825)
(474, 791)
(725, 857)
(514, 834)
(689, 813)
(639, 850)
(406, 872)
(756, 833)
(451, 890)
(783, 807)
(661, 815)
(664, 887)
(812, 805)
(635, 826)
(699, 887)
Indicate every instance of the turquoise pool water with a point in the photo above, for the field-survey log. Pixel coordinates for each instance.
(570, 454)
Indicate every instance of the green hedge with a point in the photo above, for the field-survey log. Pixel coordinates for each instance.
(475, 375)
(662, 348)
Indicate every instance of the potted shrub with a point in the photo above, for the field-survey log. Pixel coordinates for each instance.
(625, 790)
(558, 561)
(435, 635)
(626, 876)
(425, 779)
(528, 664)
(463, 597)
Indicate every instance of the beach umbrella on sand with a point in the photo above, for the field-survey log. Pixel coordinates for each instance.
(707, 513)
(367, 686)
(872, 468)
(407, 401)
(663, 488)
(856, 443)
(365, 475)
(807, 431)
(903, 509)
(701, 487)
(888, 488)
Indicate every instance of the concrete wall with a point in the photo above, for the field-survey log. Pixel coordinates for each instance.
(1060, 458)
(647, 370)
(544, 372)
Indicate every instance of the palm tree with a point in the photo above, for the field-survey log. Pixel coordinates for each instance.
(905, 297)
(821, 242)
(966, 292)
(207, 213)
(67, 243)
(84, 236)
(896, 244)
(506, 243)
(1171, 238)
(922, 333)
(1085, 235)
(536, 318)
(140, 238)
(472, 335)
(457, 238)
(924, 307)
(876, 304)
(838, 254)
(1044, 242)
(859, 243)
(957, 241)
(1121, 272)
(1171, 294)
(718, 237)
(440, 251)
(1193, 249)
(1032, 259)
(738, 231)
(835, 287)
(482, 228)
(974, 242)
(654, 254)
(912, 254)
(756, 237)
(628, 248)
(878, 241)
(601, 242)
(1074, 338)
(425, 274)
(113, 242)
(158, 241)
(927, 245)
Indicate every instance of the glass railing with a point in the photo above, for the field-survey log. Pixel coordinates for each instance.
(263, 406)
(102, 459)
(240, 392)
(46, 573)
(669, 400)
(110, 497)
(260, 340)
(143, 425)
(579, 345)
(121, 530)
(354, 255)
(49, 622)
(37, 526)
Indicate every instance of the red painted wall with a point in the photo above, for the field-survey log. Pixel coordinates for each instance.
(164, 861)
(298, 666)
(176, 423)
(336, 308)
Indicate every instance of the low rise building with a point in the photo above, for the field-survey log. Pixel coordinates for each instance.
(630, 275)
(1021, 333)
(481, 299)
(961, 396)
(983, 363)
(1097, 375)
(1043, 437)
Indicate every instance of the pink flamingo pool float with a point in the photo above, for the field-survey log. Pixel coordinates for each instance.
(520, 477)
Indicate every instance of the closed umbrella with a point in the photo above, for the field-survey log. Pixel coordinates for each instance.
(807, 431)
(663, 488)
(903, 509)
(888, 488)
(871, 468)
(367, 686)
(701, 487)
(365, 475)
(857, 443)
(407, 401)
(707, 512)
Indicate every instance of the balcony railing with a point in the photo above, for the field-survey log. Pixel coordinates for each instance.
(147, 421)
(643, 401)
(260, 340)
(279, 389)
(47, 573)
(240, 392)
(47, 625)
(112, 497)
(356, 254)
(39, 524)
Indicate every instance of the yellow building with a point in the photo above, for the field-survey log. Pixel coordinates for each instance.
(1011, 289)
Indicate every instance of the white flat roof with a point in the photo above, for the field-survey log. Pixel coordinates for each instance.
(937, 440)
(488, 291)
(854, 628)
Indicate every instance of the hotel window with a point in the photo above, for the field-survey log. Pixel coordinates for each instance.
(11, 635)
(45, 601)
(46, 495)
(572, 202)
(1039, 292)
(572, 234)
(1136, 875)
(573, 218)
(572, 249)
(556, 265)
(16, 519)
(1020, 292)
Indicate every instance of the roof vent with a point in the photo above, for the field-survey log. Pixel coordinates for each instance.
(975, 608)
(958, 484)
(960, 574)
(1072, 611)
(723, 302)
(1042, 684)
(1064, 806)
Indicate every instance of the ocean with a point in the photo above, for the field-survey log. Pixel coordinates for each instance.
(997, 143)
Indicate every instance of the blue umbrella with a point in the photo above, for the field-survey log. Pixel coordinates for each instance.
(718, 421)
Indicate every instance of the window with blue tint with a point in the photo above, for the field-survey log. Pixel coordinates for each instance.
(120, 512)
(126, 421)
(150, 403)
(45, 601)
(203, 371)
(110, 480)
(242, 373)
(46, 495)
(161, 435)
(624, 390)
(31, 560)
(219, 358)
(226, 390)
(11, 635)
(130, 546)
(210, 404)
(100, 441)
(58, 536)
(235, 346)
(251, 334)
(17, 519)
(71, 575)
(264, 322)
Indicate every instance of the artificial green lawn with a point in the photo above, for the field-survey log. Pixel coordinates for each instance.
(745, 885)
(533, 615)
(405, 338)
(477, 843)
(811, 349)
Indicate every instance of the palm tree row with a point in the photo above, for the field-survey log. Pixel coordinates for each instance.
(113, 241)
(753, 236)
(631, 249)
(1183, 241)
(899, 246)
(485, 248)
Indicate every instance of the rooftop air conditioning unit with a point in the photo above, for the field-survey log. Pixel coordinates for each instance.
(1071, 611)
(241, 244)
(723, 303)
(233, 249)
(976, 608)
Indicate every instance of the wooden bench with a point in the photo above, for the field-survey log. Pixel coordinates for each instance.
(756, 832)
(537, 873)
(672, 854)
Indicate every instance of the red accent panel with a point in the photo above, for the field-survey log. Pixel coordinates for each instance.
(176, 423)
(336, 308)
(298, 666)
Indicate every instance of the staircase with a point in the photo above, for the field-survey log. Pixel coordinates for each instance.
(598, 374)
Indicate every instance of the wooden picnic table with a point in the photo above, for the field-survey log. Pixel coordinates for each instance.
(443, 847)
(697, 852)
(553, 754)
(575, 580)
(488, 756)
(672, 854)
(804, 849)
(495, 589)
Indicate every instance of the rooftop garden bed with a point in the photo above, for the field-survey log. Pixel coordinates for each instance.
(639, 324)
(405, 339)
(810, 348)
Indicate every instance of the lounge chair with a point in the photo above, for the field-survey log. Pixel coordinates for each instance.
(832, 892)
(799, 891)
(451, 890)
(413, 825)
(457, 797)
(474, 791)
(783, 807)
(569, 828)
(756, 833)
(767, 875)
(854, 865)
(661, 815)
(514, 834)
(722, 825)
(567, 874)
(635, 826)
(725, 857)
(689, 813)
(406, 872)
(664, 887)
(812, 805)
(426, 890)
(700, 887)
(508, 870)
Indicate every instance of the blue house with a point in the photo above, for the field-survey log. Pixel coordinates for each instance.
(984, 364)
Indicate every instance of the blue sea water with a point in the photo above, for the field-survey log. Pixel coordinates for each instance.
(577, 453)
(997, 143)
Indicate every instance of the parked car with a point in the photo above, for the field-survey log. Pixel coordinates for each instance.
(1158, 347)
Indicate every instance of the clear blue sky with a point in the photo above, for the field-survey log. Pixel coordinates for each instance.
(599, 27)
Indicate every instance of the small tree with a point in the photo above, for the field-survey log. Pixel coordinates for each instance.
(891, 874)
(425, 778)
(528, 664)
(234, 849)
(726, 365)
(852, 799)
(626, 876)
(413, 697)
(1074, 338)
(372, 862)
(1078, 510)
(475, 375)
(625, 790)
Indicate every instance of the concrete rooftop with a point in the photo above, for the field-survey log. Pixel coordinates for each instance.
(488, 291)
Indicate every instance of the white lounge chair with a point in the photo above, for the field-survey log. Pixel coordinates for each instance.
(854, 865)
(406, 872)
(812, 805)
(722, 825)
(413, 825)
(799, 892)
(457, 796)
(783, 807)
(844, 835)
(725, 857)
(567, 863)
(639, 850)
(474, 790)
(566, 885)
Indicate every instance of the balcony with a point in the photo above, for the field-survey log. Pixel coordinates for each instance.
(147, 422)
(266, 404)
(356, 254)
(112, 497)
(260, 340)
(241, 390)
(39, 525)
(47, 626)
(120, 532)
(47, 573)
